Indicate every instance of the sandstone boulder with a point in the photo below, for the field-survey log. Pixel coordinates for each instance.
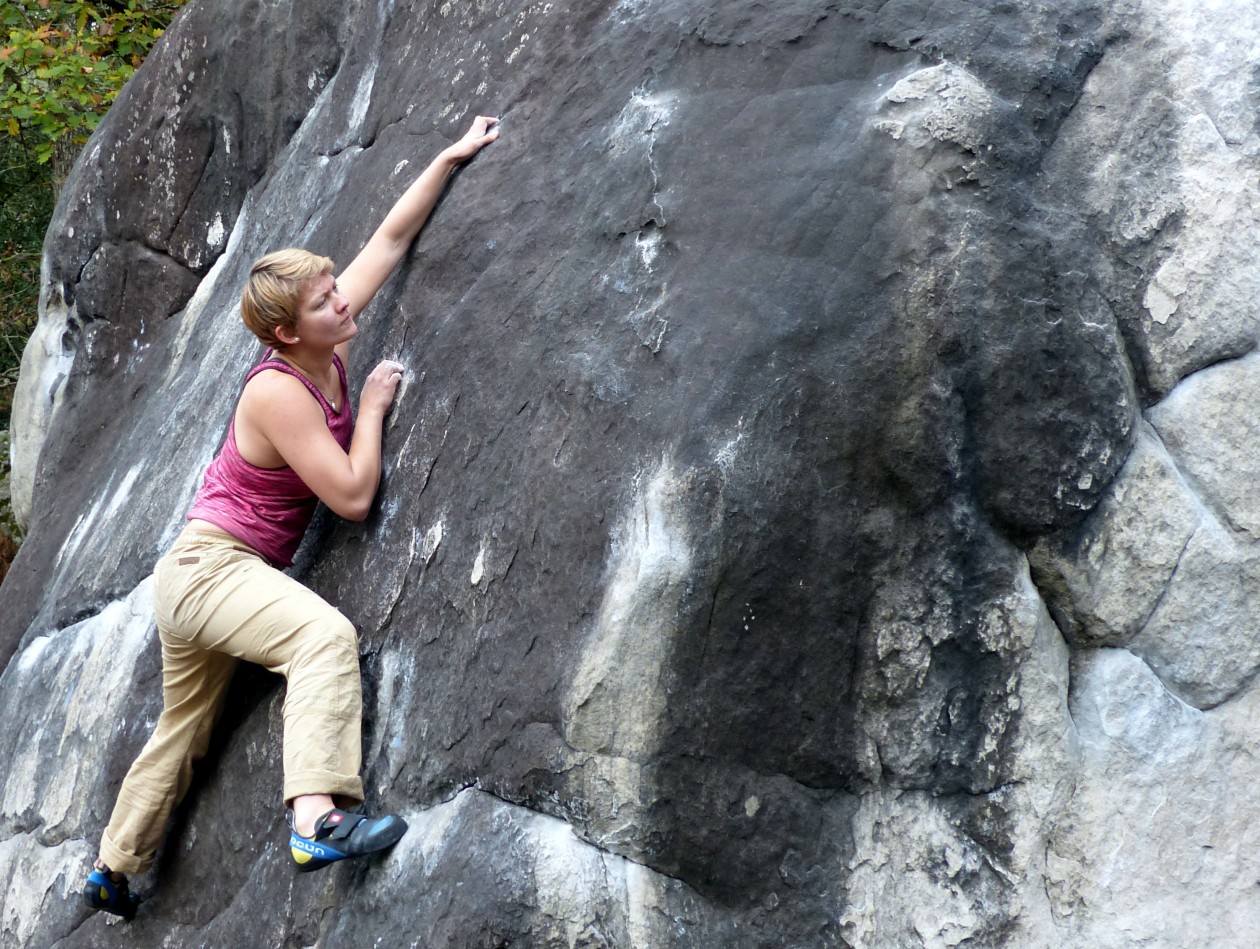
(819, 511)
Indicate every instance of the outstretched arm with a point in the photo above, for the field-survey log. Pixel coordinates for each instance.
(360, 281)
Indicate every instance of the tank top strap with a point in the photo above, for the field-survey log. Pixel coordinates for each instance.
(271, 362)
(345, 385)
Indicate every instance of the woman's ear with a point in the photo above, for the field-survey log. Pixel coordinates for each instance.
(286, 335)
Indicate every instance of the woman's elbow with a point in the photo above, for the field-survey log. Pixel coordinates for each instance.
(358, 511)
(351, 509)
(352, 501)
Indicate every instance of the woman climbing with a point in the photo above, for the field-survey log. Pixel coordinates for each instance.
(219, 595)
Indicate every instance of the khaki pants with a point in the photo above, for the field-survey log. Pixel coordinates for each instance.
(217, 601)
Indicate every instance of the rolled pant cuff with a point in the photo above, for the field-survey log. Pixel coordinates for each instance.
(347, 789)
(120, 861)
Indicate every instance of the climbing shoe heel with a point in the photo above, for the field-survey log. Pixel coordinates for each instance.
(107, 896)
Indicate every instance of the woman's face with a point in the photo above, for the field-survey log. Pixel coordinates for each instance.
(324, 317)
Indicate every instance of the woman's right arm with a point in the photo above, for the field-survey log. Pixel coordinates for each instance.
(281, 410)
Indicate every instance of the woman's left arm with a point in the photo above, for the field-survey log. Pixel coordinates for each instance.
(374, 263)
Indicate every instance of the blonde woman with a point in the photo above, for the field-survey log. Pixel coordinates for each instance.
(220, 595)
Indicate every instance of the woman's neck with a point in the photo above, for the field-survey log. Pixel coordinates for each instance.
(313, 364)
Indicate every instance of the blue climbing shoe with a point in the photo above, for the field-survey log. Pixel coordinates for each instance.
(109, 896)
(340, 835)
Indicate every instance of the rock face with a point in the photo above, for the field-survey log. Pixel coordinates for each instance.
(821, 510)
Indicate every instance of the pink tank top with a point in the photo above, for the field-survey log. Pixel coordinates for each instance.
(267, 508)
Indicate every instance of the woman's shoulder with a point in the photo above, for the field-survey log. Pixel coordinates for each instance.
(274, 390)
(272, 375)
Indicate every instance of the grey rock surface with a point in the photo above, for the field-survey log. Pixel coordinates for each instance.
(819, 512)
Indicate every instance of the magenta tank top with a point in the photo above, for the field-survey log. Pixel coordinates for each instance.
(267, 508)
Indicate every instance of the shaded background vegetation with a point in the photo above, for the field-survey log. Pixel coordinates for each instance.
(26, 203)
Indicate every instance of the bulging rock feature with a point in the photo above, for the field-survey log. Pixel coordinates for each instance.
(819, 511)
(611, 708)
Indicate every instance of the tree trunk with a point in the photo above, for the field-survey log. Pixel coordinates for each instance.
(64, 154)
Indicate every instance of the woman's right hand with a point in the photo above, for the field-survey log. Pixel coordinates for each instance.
(380, 387)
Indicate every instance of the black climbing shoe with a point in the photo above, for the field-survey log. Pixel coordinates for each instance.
(340, 834)
(102, 893)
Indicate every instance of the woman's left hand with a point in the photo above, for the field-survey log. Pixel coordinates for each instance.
(482, 133)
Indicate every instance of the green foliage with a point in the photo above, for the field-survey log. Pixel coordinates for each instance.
(62, 63)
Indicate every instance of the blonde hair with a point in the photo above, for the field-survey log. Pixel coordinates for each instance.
(270, 299)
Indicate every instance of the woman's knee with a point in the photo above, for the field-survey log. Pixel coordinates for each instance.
(342, 632)
(331, 634)
(324, 672)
